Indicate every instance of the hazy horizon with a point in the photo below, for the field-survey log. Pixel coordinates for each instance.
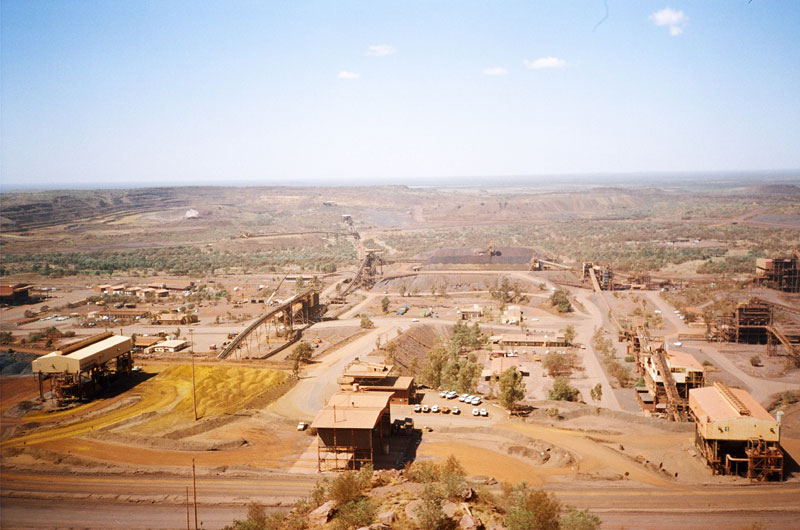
(633, 179)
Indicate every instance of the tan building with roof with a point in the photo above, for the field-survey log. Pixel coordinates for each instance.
(69, 369)
(528, 340)
(377, 377)
(351, 429)
(168, 346)
(499, 364)
(470, 313)
(735, 433)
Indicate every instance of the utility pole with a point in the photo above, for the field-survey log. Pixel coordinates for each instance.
(194, 390)
(194, 487)
(187, 509)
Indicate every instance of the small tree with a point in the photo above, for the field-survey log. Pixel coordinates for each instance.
(562, 391)
(597, 392)
(755, 360)
(385, 304)
(575, 519)
(303, 351)
(345, 488)
(299, 285)
(430, 513)
(532, 509)
(560, 301)
(556, 364)
(569, 334)
(512, 388)
(366, 323)
(296, 368)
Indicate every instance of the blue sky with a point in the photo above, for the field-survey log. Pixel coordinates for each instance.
(149, 92)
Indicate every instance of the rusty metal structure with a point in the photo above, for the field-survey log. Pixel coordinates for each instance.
(668, 376)
(753, 322)
(368, 272)
(780, 273)
(281, 321)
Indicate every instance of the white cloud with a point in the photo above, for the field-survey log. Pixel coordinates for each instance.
(380, 50)
(545, 62)
(498, 70)
(344, 74)
(669, 17)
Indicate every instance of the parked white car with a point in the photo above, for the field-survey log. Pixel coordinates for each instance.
(484, 412)
(476, 412)
(456, 410)
(418, 408)
(435, 408)
(476, 400)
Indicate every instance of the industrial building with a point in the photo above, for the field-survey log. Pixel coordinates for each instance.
(499, 364)
(669, 376)
(781, 273)
(735, 434)
(351, 429)
(374, 377)
(80, 368)
(754, 322)
(174, 318)
(528, 340)
(470, 313)
(14, 293)
(168, 346)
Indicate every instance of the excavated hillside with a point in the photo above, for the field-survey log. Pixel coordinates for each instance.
(413, 344)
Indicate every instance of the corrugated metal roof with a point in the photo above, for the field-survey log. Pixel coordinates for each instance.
(710, 405)
(352, 410)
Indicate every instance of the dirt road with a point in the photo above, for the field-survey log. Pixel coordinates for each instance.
(159, 502)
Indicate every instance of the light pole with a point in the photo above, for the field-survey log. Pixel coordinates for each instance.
(194, 390)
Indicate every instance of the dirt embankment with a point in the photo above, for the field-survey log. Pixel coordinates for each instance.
(411, 346)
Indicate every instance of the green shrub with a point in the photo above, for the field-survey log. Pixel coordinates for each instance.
(355, 514)
(562, 391)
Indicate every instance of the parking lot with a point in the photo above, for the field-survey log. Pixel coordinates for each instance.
(431, 398)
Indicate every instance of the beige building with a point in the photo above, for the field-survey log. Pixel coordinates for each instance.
(168, 346)
(735, 433)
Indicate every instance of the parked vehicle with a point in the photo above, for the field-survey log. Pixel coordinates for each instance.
(435, 408)
(484, 412)
(302, 426)
(476, 412)
(425, 408)
(445, 410)
(456, 410)
(417, 408)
